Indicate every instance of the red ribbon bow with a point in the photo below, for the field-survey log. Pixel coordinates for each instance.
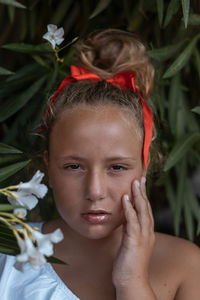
(122, 80)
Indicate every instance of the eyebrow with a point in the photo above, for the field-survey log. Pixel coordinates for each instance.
(110, 159)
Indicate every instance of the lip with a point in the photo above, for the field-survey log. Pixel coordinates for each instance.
(96, 211)
(97, 216)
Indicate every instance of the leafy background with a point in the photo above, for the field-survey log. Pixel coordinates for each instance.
(29, 74)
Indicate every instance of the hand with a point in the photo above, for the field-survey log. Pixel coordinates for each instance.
(132, 262)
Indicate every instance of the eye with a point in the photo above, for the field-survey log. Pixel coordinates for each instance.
(118, 168)
(71, 167)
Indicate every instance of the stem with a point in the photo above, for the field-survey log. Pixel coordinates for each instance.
(15, 220)
(74, 40)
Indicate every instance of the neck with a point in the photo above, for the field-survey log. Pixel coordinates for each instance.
(83, 247)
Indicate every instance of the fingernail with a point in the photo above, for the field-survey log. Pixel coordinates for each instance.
(137, 184)
(126, 197)
(143, 180)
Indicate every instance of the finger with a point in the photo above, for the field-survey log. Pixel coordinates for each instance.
(141, 207)
(143, 190)
(132, 225)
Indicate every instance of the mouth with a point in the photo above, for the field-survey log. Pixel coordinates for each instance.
(97, 216)
(96, 211)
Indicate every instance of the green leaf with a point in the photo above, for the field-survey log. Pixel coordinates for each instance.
(180, 149)
(160, 10)
(5, 71)
(7, 250)
(41, 61)
(12, 169)
(61, 11)
(171, 10)
(198, 228)
(196, 110)
(7, 207)
(102, 4)
(55, 260)
(6, 149)
(11, 107)
(11, 12)
(174, 93)
(197, 60)
(23, 72)
(164, 53)
(181, 176)
(188, 218)
(170, 194)
(7, 159)
(12, 3)
(194, 19)
(186, 10)
(182, 59)
(27, 48)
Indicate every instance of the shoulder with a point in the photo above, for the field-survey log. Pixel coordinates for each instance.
(177, 249)
(181, 259)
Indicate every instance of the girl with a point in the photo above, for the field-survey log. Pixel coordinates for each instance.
(99, 131)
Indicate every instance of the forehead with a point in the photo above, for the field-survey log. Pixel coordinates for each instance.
(99, 127)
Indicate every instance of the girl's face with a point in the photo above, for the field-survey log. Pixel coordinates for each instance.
(94, 156)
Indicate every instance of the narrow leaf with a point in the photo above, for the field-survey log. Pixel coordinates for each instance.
(55, 260)
(170, 193)
(4, 249)
(6, 149)
(7, 207)
(160, 9)
(164, 53)
(186, 10)
(194, 19)
(180, 149)
(12, 3)
(188, 218)
(171, 10)
(102, 4)
(24, 71)
(182, 59)
(196, 110)
(181, 175)
(41, 61)
(27, 48)
(61, 11)
(174, 93)
(18, 102)
(12, 169)
(5, 71)
(197, 60)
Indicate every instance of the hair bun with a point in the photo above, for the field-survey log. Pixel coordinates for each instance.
(113, 51)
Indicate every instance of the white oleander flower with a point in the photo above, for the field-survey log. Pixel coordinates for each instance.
(29, 254)
(45, 241)
(54, 35)
(28, 192)
(21, 212)
(34, 252)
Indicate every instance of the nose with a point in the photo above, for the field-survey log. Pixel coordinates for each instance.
(95, 186)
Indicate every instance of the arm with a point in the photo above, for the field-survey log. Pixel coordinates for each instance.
(130, 271)
(190, 285)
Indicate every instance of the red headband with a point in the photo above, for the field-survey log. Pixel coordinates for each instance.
(122, 80)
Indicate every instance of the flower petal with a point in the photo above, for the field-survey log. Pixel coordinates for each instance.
(20, 211)
(59, 33)
(52, 28)
(57, 236)
(59, 41)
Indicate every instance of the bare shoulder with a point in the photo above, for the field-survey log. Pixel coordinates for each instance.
(179, 248)
(180, 260)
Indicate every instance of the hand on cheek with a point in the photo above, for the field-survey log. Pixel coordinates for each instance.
(132, 261)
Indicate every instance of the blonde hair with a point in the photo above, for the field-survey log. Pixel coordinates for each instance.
(107, 53)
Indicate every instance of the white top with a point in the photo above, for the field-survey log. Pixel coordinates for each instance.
(42, 284)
